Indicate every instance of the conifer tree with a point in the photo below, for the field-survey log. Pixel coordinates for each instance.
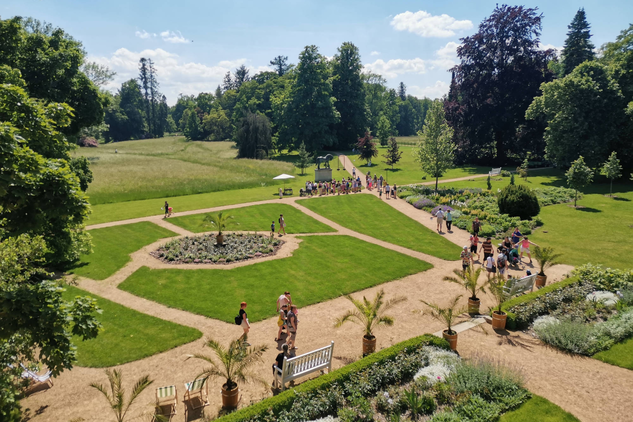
(402, 91)
(578, 46)
(393, 154)
(304, 158)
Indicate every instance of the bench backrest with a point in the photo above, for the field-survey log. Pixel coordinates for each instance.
(196, 385)
(495, 171)
(514, 287)
(310, 360)
(165, 392)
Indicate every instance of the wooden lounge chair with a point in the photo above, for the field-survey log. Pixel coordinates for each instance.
(35, 378)
(196, 394)
(166, 399)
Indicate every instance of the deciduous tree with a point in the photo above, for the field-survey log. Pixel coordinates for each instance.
(253, 137)
(367, 148)
(435, 152)
(578, 176)
(347, 88)
(611, 169)
(383, 130)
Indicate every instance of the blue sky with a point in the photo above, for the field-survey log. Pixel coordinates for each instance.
(194, 43)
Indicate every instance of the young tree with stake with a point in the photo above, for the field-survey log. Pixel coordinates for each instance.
(578, 176)
(611, 169)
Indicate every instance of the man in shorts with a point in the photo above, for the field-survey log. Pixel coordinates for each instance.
(282, 224)
(476, 226)
(467, 258)
(440, 219)
(293, 324)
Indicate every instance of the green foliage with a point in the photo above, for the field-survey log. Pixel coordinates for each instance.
(193, 131)
(383, 131)
(496, 287)
(447, 315)
(347, 88)
(253, 137)
(217, 125)
(367, 148)
(370, 314)
(620, 354)
(417, 404)
(436, 151)
(512, 179)
(117, 400)
(545, 257)
(469, 280)
(578, 47)
(522, 170)
(518, 201)
(393, 154)
(81, 167)
(538, 409)
(610, 279)
(611, 169)
(488, 184)
(305, 158)
(578, 176)
(220, 220)
(487, 231)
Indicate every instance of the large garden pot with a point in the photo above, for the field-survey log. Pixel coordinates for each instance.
(499, 320)
(541, 280)
(473, 306)
(451, 338)
(369, 345)
(220, 239)
(230, 398)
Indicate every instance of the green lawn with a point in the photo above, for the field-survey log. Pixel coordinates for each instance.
(369, 215)
(620, 354)
(171, 166)
(323, 268)
(258, 218)
(604, 224)
(538, 409)
(127, 335)
(112, 247)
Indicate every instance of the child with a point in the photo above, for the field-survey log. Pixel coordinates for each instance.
(379, 192)
(474, 241)
(272, 229)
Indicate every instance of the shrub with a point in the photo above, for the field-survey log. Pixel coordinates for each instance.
(505, 173)
(424, 203)
(605, 278)
(570, 336)
(518, 201)
(487, 230)
(87, 141)
(405, 194)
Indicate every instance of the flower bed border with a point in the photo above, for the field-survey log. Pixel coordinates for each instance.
(285, 400)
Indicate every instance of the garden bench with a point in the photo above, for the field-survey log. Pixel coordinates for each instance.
(301, 365)
(495, 172)
(518, 286)
(288, 191)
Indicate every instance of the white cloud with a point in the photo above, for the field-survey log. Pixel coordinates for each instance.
(174, 74)
(557, 50)
(144, 34)
(393, 68)
(437, 90)
(375, 53)
(446, 56)
(174, 37)
(426, 25)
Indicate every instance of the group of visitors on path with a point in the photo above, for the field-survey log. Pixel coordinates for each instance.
(282, 226)
(344, 186)
(441, 218)
(379, 184)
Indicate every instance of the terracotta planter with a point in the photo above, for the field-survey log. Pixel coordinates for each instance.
(230, 397)
(451, 338)
(541, 280)
(473, 306)
(369, 345)
(499, 320)
(220, 239)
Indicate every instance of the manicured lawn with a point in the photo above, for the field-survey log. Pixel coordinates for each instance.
(538, 409)
(112, 247)
(258, 218)
(127, 335)
(171, 166)
(604, 224)
(369, 215)
(323, 268)
(620, 354)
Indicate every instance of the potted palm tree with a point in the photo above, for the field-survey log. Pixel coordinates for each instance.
(469, 280)
(234, 364)
(448, 315)
(220, 222)
(496, 286)
(370, 315)
(545, 258)
(117, 401)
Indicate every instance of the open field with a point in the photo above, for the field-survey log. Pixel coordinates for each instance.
(171, 166)
(538, 409)
(621, 354)
(323, 268)
(369, 215)
(257, 218)
(112, 247)
(598, 233)
(127, 335)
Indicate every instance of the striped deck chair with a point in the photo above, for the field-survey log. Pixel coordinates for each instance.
(196, 394)
(167, 397)
(35, 378)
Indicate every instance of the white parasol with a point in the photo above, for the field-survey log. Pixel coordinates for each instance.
(283, 177)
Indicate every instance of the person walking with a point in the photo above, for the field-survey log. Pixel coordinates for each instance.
(474, 242)
(282, 320)
(284, 299)
(293, 324)
(487, 248)
(394, 191)
(476, 226)
(440, 219)
(282, 224)
(246, 326)
(490, 266)
(467, 259)
(272, 229)
(525, 247)
(379, 192)
(281, 194)
(354, 172)
(387, 189)
(449, 221)
(166, 210)
(502, 265)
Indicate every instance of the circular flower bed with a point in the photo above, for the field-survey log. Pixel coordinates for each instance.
(204, 249)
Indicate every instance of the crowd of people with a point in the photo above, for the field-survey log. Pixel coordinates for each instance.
(343, 186)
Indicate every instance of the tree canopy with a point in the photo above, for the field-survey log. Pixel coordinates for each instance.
(347, 88)
(578, 46)
(436, 151)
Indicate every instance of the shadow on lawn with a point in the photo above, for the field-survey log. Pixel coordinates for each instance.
(588, 209)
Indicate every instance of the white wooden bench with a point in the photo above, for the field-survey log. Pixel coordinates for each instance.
(518, 286)
(301, 365)
(494, 172)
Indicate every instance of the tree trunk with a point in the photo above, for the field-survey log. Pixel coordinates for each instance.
(436, 179)
(611, 189)
(500, 148)
(575, 198)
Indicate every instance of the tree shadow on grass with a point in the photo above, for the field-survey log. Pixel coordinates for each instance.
(589, 209)
(619, 198)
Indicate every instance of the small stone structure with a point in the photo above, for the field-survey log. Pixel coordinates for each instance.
(322, 175)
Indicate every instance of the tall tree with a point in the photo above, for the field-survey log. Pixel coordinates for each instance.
(393, 155)
(583, 112)
(310, 114)
(384, 130)
(144, 79)
(227, 83)
(611, 169)
(347, 88)
(154, 101)
(375, 89)
(304, 158)
(125, 115)
(99, 74)
(240, 77)
(435, 151)
(402, 91)
(253, 137)
(193, 131)
(578, 176)
(367, 148)
(501, 71)
(578, 46)
(280, 64)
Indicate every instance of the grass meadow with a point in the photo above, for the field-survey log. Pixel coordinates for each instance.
(323, 268)
(369, 215)
(127, 335)
(112, 247)
(538, 409)
(257, 218)
(621, 354)
(171, 166)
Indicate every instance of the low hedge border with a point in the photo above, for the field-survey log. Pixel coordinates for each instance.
(285, 400)
(511, 322)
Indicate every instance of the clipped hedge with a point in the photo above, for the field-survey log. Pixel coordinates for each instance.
(511, 322)
(285, 400)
